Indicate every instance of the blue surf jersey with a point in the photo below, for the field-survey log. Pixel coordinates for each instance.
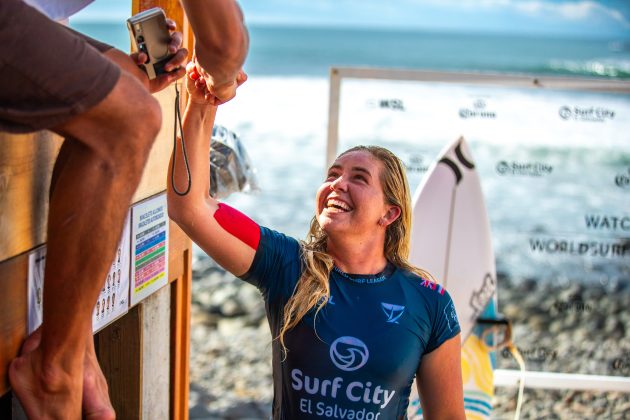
(356, 359)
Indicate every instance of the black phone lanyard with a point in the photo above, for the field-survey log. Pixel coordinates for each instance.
(178, 122)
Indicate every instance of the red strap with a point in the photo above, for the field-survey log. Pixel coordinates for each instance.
(238, 225)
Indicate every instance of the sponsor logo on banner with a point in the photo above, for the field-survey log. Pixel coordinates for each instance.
(622, 180)
(602, 249)
(607, 222)
(534, 354)
(574, 303)
(393, 103)
(478, 110)
(592, 114)
(416, 163)
(533, 169)
(349, 353)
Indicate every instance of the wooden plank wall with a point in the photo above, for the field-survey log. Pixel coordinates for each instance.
(26, 163)
(119, 348)
(180, 273)
(124, 348)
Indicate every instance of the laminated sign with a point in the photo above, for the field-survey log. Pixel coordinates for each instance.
(113, 300)
(149, 247)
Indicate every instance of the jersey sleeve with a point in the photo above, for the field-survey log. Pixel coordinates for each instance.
(446, 325)
(276, 265)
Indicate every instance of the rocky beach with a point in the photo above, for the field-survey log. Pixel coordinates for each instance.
(559, 328)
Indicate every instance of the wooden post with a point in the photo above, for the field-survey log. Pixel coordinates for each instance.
(119, 351)
(13, 274)
(181, 266)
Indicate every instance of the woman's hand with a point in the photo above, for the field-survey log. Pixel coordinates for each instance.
(218, 94)
(196, 86)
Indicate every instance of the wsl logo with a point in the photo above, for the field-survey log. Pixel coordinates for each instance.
(349, 353)
(322, 300)
(393, 104)
(393, 312)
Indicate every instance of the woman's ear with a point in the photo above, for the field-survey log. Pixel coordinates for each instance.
(390, 217)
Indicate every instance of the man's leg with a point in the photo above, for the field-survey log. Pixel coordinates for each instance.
(96, 403)
(87, 209)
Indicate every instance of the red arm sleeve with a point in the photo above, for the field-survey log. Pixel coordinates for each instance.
(238, 225)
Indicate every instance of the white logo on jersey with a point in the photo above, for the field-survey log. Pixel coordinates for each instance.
(349, 353)
(451, 316)
(393, 312)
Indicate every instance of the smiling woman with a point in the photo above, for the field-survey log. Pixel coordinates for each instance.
(353, 322)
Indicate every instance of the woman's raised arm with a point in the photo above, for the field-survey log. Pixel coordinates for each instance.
(225, 234)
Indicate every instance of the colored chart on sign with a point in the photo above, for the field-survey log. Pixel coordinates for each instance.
(149, 239)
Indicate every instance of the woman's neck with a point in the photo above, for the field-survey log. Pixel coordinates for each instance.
(357, 257)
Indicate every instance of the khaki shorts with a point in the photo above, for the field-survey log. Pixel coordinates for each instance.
(48, 73)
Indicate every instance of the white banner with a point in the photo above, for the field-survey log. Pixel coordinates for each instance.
(555, 172)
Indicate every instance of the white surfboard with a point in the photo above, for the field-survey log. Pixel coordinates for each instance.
(451, 239)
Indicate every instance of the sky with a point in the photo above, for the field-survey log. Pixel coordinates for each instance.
(583, 18)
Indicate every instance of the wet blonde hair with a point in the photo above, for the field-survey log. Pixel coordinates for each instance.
(312, 289)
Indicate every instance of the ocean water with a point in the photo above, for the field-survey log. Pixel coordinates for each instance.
(303, 51)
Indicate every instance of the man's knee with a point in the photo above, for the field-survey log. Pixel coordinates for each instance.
(124, 124)
(140, 117)
(144, 125)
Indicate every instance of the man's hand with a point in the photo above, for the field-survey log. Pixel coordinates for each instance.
(175, 67)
